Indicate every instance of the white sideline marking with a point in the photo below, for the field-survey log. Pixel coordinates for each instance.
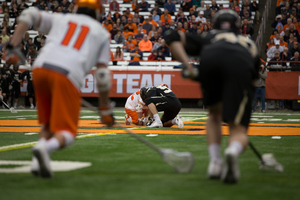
(17, 146)
(18, 116)
(56, 166)
(31, 133)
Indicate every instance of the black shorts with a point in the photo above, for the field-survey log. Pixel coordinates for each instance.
(16, 91)
(30, 90)
(170, 105)
(226, 75)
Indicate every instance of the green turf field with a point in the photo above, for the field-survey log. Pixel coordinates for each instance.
(123, 168)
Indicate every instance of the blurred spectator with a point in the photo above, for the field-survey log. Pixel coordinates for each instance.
(236, 6)
(205, 28)
(293, 30)
(151, 33)
(207, 12)
(31, 55)
(160, 3)
(139, 35)
(286, 35)
(260, 88)
(126, 32)
(135, 6)
(114, 6)
(194, 28)
(126, 1)
(119, 38)
(119, 24)
(272, 50)
(118, 55)
(165, 50)
(285, 55)
(182, 18)
(185, 6)
(131, 26)
(295, 48)
(151, 21)
(145, 44)
(155, 38)
(157, 9)
(197, 2)
(140, 26)
(289, 22)
(179, 27)
(136, 56)
(247, 29)
(113, 31)
(41, 44)
(254, 7)
(277, 38)
(147, 26)
(282, 42)
(172, 24)
(276, 60)
(64, 4)
(199, 31)
(128, 14)
(14, 12)
(4, 36)
(192, 13)
(270, 44)
(130, 44)
(160, 56)
(107, 26)
(294, 13)
(157, 44)
(166, 27)
(143, 6)
(281, 6)
(37, 39)
(155, 16)
(295, 61)
(214, 5)
(201, 17)
(111, 55)
(201, 7)
(153, 55)
(170, 6)
(185, 26)
(140, 18)
(165, 16)
(116, 16)
(178, 14)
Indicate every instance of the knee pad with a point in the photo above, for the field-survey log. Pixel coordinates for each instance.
(103, 79)
(171, 36)
(69, 138)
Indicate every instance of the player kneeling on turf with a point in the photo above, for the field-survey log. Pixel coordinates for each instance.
(161, 98)
(136, 111)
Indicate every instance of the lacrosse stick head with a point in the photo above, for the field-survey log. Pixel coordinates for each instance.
(182, 162)
(269, 163)
(12, 110)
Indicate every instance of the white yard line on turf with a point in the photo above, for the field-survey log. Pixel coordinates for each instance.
(18, 116)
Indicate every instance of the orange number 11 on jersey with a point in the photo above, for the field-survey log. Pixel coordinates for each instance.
(81, 37)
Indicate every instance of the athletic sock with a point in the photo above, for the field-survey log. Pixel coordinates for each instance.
(214, 151)
(15, 105)
(174, 121)
(52, 145)
(237, 146)
(156, 117)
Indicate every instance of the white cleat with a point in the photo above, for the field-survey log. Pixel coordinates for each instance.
(43, 157)
(179, 122)
(35, 168)
(156, 124)
(214, 169)
(32, 107)
(126, 119)
(231, 171)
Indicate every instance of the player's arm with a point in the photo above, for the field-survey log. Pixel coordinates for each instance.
(177, 42)
(103, 78)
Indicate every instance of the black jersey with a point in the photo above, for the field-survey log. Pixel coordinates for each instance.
(16, 78)
(159, 91)
(27, 75)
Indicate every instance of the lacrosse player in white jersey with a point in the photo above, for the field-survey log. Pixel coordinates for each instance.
(75, 43)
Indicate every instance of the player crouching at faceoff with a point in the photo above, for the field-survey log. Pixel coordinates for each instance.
(161, 98)
(75, 43)
(136, 111)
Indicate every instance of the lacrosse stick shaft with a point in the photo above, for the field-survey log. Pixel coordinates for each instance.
(149, 144)
(7, 106)
(255, 151)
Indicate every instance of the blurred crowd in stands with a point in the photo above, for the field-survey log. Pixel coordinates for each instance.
(283, 48)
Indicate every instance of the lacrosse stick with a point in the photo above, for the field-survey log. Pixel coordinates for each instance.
(267, 161)
(12, 110)
(182, 162)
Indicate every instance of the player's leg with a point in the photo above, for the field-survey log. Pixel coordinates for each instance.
(255, 99)
(17, 94)
(214, 136)
(157, 122)
(262, 97)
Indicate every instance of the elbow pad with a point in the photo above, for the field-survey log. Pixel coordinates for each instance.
(30, 16)
(103, 79)
(171, 36)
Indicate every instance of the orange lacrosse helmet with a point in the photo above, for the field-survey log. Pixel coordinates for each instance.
(93, 4)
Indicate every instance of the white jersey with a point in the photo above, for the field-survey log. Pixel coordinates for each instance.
(133, 101)
(75, 43)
